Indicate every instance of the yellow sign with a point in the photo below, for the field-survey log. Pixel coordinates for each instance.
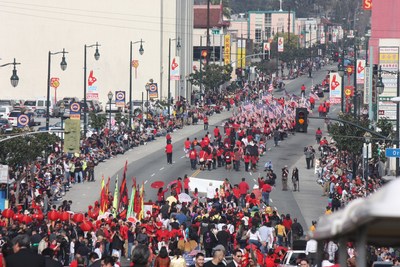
(388, 57)
(241, 53)
(347, 92)
(227, 49)
(72, 136)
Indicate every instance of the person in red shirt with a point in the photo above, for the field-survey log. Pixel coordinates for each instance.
(243, 189)
(318, 135)
(193, 158)
(246, 158)
(203, 158)
(168, 151)
(312, 102)
(186, 181)
(187, 145)
(303, 90)
(179, 186)
(216, 132)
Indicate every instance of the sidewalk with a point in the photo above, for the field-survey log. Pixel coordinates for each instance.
(87, 193)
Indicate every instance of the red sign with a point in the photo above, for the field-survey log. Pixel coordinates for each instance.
(360, 68)
(55, 82)
(204, 53)
(174, 65)
(350, 69)
(349, 91)
(367, 4)
(91, 79)
(334, 83)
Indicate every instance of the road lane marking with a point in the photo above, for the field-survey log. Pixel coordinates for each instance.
(162, 169)
(153, 174)
(270, 200)
(196, 173)
(182, 157)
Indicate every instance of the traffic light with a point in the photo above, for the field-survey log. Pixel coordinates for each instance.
(301, 120)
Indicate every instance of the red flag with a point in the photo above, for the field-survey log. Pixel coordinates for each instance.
(104, 197)
(123, 191)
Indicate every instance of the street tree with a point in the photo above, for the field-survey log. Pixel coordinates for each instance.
(97, 121)
(211, 76)
(22, 150)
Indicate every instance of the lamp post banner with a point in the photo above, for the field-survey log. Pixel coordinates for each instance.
(153, 91)
(175, 69)
(389, 62)
(227, 49)
(335, 88)
(280, 44)
(360, 71)
(120, 97)
(367, 89)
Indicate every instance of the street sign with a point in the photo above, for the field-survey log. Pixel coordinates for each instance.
(215, 31)
(392, 152)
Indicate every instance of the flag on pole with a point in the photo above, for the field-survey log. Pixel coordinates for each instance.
(123, 199)
(132, 200)
(115, 200)
(102, 191)
(141, 199)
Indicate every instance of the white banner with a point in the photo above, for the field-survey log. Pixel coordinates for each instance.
(266, 46)
(367, 89)
(360, 71)
(280, 44)
(335, 88)
(3, 174)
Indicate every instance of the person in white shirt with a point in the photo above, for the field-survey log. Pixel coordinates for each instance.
(311, 251)
(210, 191)
(254, 236)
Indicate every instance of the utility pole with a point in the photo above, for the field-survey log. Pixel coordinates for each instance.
(288, 27)
(208, 31)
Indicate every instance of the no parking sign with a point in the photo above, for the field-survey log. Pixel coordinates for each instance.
(120, 99)
(23, 121)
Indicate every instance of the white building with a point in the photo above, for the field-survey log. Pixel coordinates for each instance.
(31, 29)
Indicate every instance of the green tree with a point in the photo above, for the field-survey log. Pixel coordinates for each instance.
(212, 76)
(119, 117)
(98, 121)
(24, 149)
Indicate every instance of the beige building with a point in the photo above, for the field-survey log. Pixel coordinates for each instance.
(31, 29)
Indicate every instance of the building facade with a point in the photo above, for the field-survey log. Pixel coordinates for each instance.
(34, 29)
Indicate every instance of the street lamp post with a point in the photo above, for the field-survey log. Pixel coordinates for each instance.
(63, 66)
(355, 79)
(397, 101)
(62, 110)
(147, 100)
(110, 97)
(178, 46)
(14, 77)
(367, 137)
(341, 74)
(141, 51)
(96, 57)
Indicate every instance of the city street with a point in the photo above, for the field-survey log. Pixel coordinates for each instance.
(148, 163)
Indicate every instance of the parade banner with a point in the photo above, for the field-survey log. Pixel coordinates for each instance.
(175, 69)
(153, 91)
(120, 99)
(360, 71)
(227, 49)
(241, 53)
(23, 120)
(335, 88)
(72, 136)
(92, 91)
(280, 44)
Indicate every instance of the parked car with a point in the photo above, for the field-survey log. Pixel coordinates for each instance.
(13, 118)
(54, 111)
(96, 105)
(136, 107)
(5, 111)
(30, 104)
(56, 126)
(114, 107)
(69, 100)
(8, 102)
(5, 126)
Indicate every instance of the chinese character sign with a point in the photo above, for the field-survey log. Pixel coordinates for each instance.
(227, 49)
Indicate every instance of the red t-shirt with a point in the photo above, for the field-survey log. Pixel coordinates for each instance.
(168, 148)
(243, 188)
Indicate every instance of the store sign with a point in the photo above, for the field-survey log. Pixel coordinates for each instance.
(227, 49)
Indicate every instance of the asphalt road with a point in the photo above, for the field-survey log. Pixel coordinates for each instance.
(148, 163)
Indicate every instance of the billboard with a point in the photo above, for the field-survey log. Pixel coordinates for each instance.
(389, 62)
(72, 136)
(335, 88)
(360, 71)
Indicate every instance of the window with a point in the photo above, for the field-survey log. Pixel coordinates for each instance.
(30, 103)
(258, 35)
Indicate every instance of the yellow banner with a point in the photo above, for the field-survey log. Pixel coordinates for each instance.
(227, 49)
(241, 57)
(72, 136)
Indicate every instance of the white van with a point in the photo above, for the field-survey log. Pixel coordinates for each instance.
(30, 104)
(41, 103)
(5, 111)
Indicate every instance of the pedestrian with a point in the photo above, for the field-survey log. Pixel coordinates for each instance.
(193, 158)
(308, 153)
(285, 173)
(277, 136)
(205, 121)
(318, 135)
(297, 230)
(303, 90)
(295, 179)
(186, 181)
(168, 151)
(244, 189)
